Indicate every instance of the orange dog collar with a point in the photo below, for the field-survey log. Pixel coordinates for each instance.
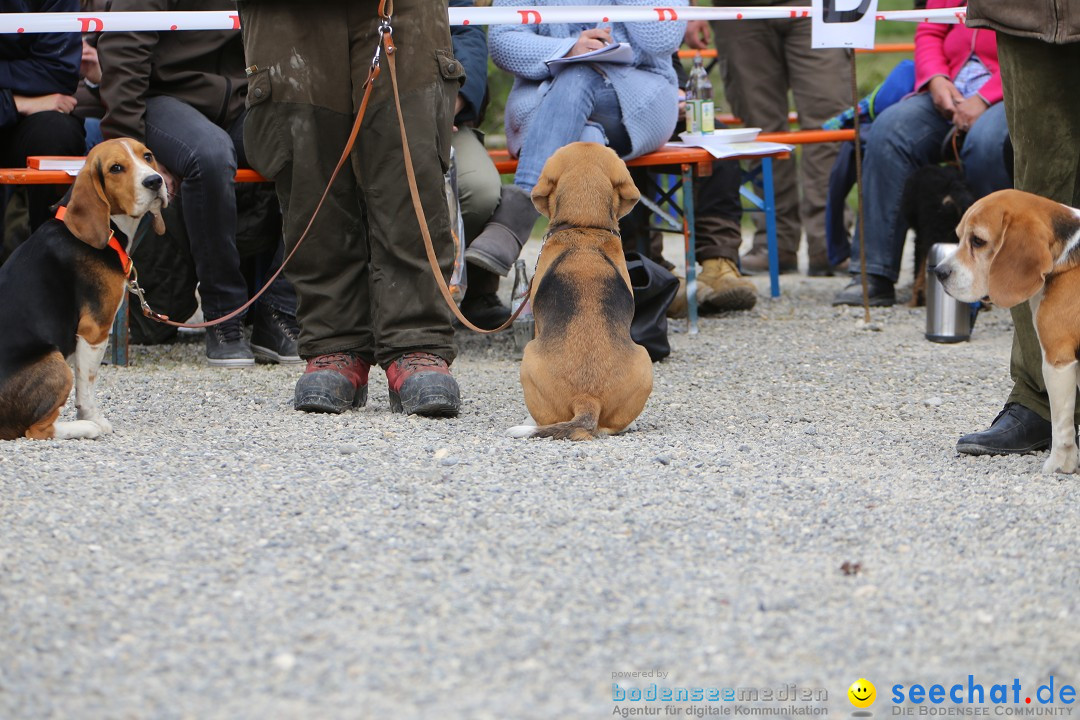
(125, 260)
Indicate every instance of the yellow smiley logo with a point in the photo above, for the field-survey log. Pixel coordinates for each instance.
(862, 693)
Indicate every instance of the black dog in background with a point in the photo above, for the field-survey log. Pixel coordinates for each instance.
(935, 198)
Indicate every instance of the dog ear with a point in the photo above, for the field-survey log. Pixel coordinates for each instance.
(87, 215)
(541, 194)
(1022, 261)
(628, 195)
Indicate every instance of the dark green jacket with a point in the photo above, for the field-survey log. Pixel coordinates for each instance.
(1052, 21)
(204, 68)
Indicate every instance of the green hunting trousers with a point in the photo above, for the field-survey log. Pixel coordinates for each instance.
(1043, 111)
(363, 282)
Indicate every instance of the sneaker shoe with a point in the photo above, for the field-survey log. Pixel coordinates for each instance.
(1016, 430)
(332, 383)
(273, 337)
(757, 261)
(484, 311)
(880, 290)
(721, 287)
(226, 345)
(421, 384)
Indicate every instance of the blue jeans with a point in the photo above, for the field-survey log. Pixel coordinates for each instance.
(907, 136)
(204, 157)
(579, 105)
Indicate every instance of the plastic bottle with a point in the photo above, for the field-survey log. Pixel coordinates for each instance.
(524, 325)
(700, 111)
(693, 103)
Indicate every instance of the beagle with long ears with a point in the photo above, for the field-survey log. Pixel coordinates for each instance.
(60, 290)
(1015, 246)
(582, 374)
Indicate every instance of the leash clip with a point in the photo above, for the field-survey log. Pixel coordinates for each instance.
(136, 289)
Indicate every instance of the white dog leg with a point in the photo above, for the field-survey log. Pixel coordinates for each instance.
(1061, 383)
(87, 361)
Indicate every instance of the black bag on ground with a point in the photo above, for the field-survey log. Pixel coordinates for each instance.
(654, 289)
(166, 274)
(167, 269)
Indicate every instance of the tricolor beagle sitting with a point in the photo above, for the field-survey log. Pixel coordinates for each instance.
(582, 375)
(60, 290)
(1015, 246)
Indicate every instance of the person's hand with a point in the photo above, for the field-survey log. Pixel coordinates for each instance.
(968, 111)
(698, 34)
(90, 68)
(682, 103)
(28, 105)
(589, 40)
(945, 96)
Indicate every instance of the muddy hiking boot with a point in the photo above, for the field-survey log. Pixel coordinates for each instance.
(226, 345)
(497, 246)
(421, 384)
(332, 383)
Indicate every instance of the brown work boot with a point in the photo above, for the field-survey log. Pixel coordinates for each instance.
(757, 261)
(679, 308)
(721, 287)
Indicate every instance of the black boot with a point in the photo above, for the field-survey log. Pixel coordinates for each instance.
(497, 246)
(481, 305)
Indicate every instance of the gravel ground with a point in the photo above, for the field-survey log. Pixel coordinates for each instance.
(789, 510)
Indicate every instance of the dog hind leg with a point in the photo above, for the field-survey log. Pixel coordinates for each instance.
(31, 399)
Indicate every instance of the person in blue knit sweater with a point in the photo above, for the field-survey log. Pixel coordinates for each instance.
(632, 108)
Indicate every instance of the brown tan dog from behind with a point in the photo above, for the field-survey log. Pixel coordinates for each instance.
(60, 290)
(1015, 246)
(582, 374)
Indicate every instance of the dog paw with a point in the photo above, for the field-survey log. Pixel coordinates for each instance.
(97, 418)
(1062, 460)
(76, 430)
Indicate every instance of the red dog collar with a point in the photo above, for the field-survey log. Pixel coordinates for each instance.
(125, 261)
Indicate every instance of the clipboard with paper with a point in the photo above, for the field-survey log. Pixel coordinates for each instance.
(619, 53)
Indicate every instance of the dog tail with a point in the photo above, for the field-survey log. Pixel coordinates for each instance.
(582, 427)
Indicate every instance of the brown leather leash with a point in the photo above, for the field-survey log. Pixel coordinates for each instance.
(386, 32)
(414, 192)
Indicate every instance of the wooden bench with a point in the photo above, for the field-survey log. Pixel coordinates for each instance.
(684, 164)
(118, 351)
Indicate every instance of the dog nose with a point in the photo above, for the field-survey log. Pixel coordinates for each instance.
(153, 182)
(942, 273)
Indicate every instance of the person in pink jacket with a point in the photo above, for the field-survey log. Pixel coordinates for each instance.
(957, 90)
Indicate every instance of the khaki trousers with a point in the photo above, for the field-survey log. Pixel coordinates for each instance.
(760, 61)
(363, 282)
(1043, 111)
